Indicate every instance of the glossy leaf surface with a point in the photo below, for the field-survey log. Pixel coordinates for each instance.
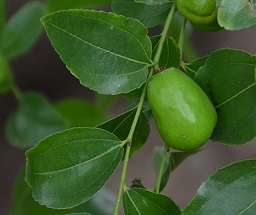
(79, 113)
(171, 162)
(55, 5)
(238, 15)
(170, 56)
(22, 30)
(113, 65)
(137, 201)
(24, 204)
(148, 15)
(120, 126)
(69, 167)
(228, 77)
(231, 190)
(34, 119)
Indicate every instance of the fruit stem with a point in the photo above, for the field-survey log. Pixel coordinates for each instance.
(182, 35)
(160, 173)
(163, 36)
(129, 142)
(140, 105)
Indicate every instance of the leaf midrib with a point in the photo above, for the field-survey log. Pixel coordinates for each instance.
(77, 165)
(97, 47)
(224, 187)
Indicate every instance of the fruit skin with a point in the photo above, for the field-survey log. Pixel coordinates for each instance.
(201, 13)
(184, 115)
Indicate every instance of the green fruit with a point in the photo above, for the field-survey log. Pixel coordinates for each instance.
(184, 115)
(5, 76)
(201, 13)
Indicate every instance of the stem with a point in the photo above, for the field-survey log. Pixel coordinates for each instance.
(160, 173)
(129, 143)
(182, 34)
(163, 36)
(140, 105)
(16, 92)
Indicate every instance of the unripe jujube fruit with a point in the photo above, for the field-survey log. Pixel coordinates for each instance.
(184, 115)
(202, 14)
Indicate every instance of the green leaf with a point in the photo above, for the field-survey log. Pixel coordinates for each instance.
(231, 190)
(152, 2)
(140, 201)
(103, 203)
(2, 14)
(173, 159)
(79, 113)
(68, 168)
(55, 5)
(170, 56)
(238, 15)
(113, 65)
(228, 79)
(22, 30)
(6, 80)
(34, 119)
(192, 68)
(24, 204)
(120, 126)
(149, 15)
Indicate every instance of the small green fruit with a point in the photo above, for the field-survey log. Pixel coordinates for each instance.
(201, 13)
(184, 115)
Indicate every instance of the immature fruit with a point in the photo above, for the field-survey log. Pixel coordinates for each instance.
(201, 13)
(184, 115)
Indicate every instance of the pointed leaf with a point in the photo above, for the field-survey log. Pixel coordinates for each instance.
(137, 201)
(170, 55)
(231, 190)
(238, 15)
(172, 160)
(152, 2)
(120, 126)
(228, 79)
(149, 15)
(69, 167)
(113, 65)
(22, 30)
(34, 119)
(55, 5)
(79, 113)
